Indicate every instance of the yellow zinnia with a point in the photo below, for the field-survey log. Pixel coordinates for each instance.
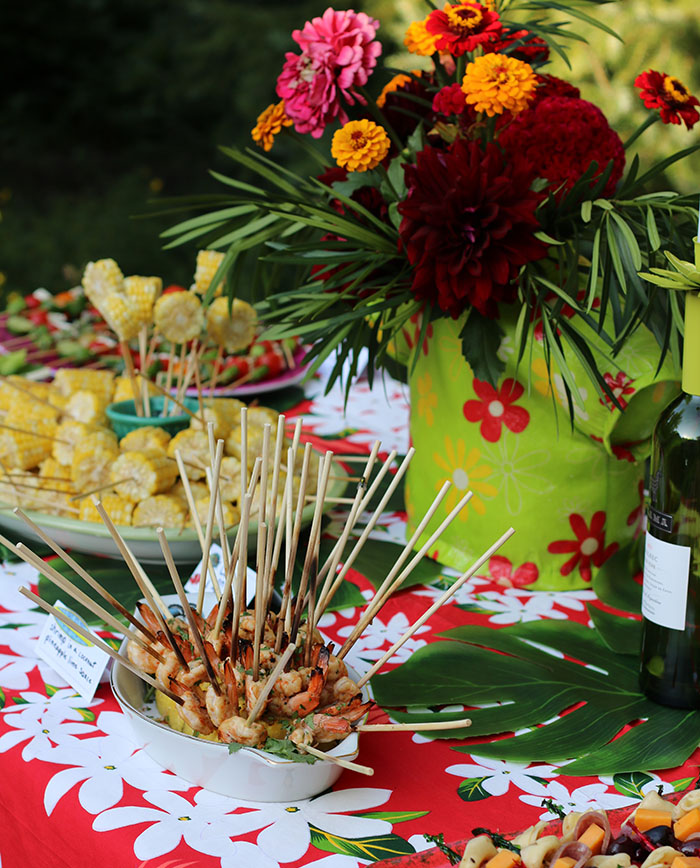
(269, 124)
(360, 145)
(496, 83)
(418, 41)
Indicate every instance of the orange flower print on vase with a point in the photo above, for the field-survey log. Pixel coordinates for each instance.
(588, 547)
(427, 399)
(497, 408)
(620, 385)
(466, 473)
(501, 571)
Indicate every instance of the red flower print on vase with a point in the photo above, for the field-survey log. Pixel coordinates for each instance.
(620, 385)
(587, 549)
(497, 407)
(622, 453)
(501, 570)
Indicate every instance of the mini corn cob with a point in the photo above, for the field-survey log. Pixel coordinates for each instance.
(208, 262)
(25, 409)
(24, 450)
(53, 504)
(230, 479)
(231, 328)
(119, 316)
(87, 407)
(102, 278)
(161, 510)
(231, 513)
(194, 448)
(59, 476)
(123, 390)
(70, 380)
(92, 461)
(145, 474)
(9, 493)
(10, 395)
(198, 489)
(142, 293)
(254, 445)
(178, 316)
(262, 416)
(70, 432)
(148, 437)
(117, 508)
(229, 408)
(211, 413)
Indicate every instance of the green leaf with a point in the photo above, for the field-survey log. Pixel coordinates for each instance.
(682, 784)
(631, 783)
(472, 790)
(394, 816)
(622, 635)
(356, 181)
(542, 669)
(614, 585)
(377, 558)
(86, 714)
(586, 210)
(374, 848)
(481, 338)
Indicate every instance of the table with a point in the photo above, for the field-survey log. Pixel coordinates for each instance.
(77, 791)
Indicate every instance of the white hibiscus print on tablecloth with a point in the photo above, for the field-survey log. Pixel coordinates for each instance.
(103, 765)
(286, 835)
(64, 704)
(517, 606)
(499, 775)
(40, 736)
(370, 645)
(206, 826)
(584, 798)
(465, 595)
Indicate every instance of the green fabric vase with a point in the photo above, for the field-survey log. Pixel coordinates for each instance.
(573, 496)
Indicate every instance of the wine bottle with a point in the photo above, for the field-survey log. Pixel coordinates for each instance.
(670, 665)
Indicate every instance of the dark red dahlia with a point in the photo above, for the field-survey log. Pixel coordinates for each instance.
(550, 85)
(560, 137)
(670, 96)
(520, 44)
(461, 27)
(468, 225)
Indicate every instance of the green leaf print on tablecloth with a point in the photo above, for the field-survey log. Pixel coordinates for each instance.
(573, 494)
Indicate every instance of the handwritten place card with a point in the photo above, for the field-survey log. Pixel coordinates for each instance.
(78, 661)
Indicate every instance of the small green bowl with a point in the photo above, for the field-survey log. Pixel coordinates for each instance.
(123, 418)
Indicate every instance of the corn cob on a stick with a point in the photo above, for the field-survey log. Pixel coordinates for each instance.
(92, 461)
(144, 474)
(232, 328)
(231, 513)
(118, 508)
(179, 317)
(160, 510)
(24, 450)
(142, 294)
(145, 438)
(88, 407)
(101, 279)
(123, 390)
(70, 380)
(208, 262)
(194, 448)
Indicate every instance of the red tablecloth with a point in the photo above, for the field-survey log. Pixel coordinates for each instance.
(78, 791)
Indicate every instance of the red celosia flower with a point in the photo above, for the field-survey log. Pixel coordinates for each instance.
(520, 44)
(497, 408)
(588, 547)
(550, 85)
(501, 570)
(339, 52)
(468, 225)
(561, 137)
(670, 96)
(620, 385)
(450, 100)
(461, 27)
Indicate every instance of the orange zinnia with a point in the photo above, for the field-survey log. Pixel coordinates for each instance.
(269, 124)
(418, 41)
(360, 145)
(495, 83)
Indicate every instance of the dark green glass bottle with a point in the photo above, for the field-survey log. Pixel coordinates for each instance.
(670, 666)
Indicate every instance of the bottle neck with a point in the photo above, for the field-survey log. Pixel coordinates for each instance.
(691, 345)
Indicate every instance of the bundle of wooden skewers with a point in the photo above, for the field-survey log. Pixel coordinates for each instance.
(264, 676)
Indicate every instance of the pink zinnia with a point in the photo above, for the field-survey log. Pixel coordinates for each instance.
(339, 52)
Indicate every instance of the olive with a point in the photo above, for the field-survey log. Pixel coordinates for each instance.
(660, 836)
(690, 848)
(623, 844)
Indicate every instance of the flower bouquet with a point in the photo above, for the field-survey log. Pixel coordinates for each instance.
(481, 220)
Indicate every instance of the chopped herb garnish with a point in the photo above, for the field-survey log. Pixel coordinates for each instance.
(234, 747)
(498, 840)
(286, 749)
(553, 808)
(149, 693)
(439, 841)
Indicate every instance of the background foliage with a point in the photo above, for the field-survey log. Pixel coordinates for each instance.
(112, 104)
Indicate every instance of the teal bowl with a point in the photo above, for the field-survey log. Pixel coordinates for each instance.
(123, 418)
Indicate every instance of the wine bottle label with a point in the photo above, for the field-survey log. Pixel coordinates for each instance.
(660, 520)
(665, 591)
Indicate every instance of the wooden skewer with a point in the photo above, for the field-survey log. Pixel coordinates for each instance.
(244, 451)
(198, 386)
(13, 385)
(131, 373)
(180, 372)
(436, 605)
(38, 488)
(175, 401)
(346, 764)
(285, 518)
(364, 536)
(145, 587)
(216, 369)
(31, 558)
(195, 518)
(35, 434)
(414, 727)
(83, 573)
(52, 610)
(241, 575)
(150, 355)
(143, 345)
(209, 530)
(168, 380)
(312, 497)
(288, 355)
(185, 603)
(292, 551)
(270, 683)
(268, 574)
(260, 612)
(83, 494)
(379, 596)
(215, 491)
(192, 361)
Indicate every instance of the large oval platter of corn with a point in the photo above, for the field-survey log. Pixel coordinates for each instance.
(58, 455)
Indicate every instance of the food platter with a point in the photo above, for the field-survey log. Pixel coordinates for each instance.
(283, 380)
(94, 538)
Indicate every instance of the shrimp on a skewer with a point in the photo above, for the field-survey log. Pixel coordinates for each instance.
(140, 657)
(305, 702)
(221, 706)
(236, 729)
(193, 710)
